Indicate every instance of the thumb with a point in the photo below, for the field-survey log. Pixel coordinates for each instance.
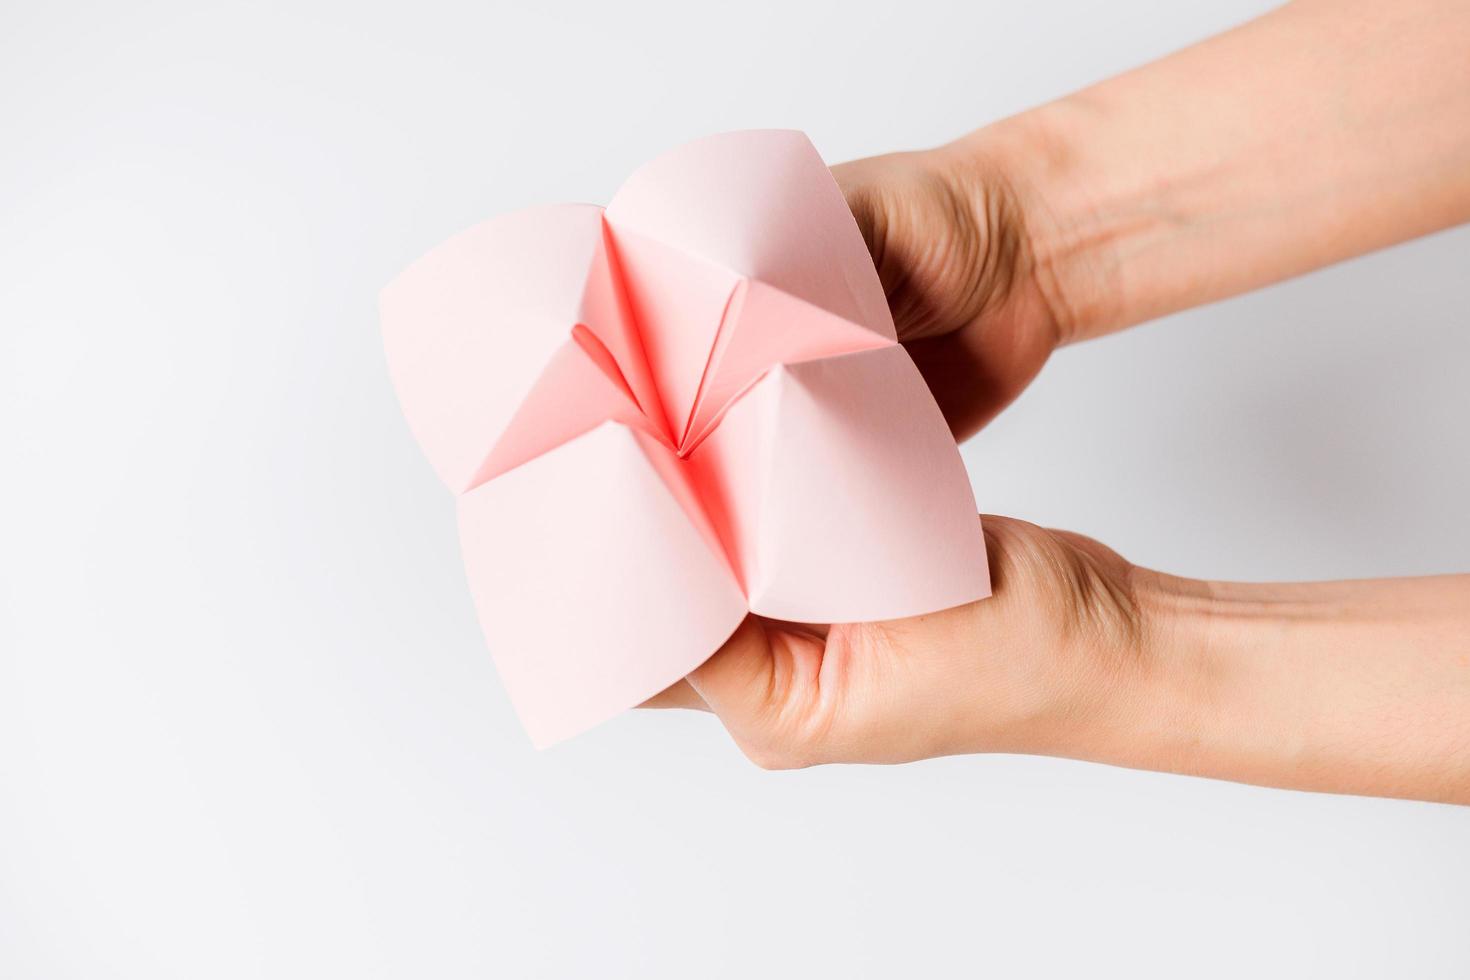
(761, 684)
(736, 680)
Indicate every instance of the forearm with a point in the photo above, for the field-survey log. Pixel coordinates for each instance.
(1320, 131)
(1350, 687)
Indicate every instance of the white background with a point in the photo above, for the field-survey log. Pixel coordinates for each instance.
(248, 726)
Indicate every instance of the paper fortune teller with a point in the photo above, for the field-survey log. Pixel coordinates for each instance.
(662, 415)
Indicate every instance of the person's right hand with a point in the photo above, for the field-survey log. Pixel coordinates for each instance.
(1044, 665)
(951, 236)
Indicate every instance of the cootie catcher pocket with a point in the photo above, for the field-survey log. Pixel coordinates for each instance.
(662, 415)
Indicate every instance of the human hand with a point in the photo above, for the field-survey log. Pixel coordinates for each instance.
(1347, 687)
(951, 237)
(1027, 670)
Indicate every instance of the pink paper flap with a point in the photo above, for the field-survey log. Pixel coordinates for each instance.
(594, 588)
(844, 498)
(471, 326)
(677, 301)
(580, 389)
(763, 204)
(764, 327)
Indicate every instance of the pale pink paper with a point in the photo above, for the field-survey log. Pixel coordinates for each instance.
(667, 414)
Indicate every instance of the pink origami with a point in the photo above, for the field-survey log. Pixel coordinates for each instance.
(662, 416)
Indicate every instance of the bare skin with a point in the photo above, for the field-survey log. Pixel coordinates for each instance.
(1318, 132)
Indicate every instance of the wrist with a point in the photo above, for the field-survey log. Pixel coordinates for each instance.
(1221, 678)
(1353, 686)
(1067, 246)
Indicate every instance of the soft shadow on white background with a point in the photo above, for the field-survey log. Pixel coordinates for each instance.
(248, 726)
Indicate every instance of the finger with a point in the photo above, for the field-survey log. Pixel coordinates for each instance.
(736, 681)
(677, 695)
